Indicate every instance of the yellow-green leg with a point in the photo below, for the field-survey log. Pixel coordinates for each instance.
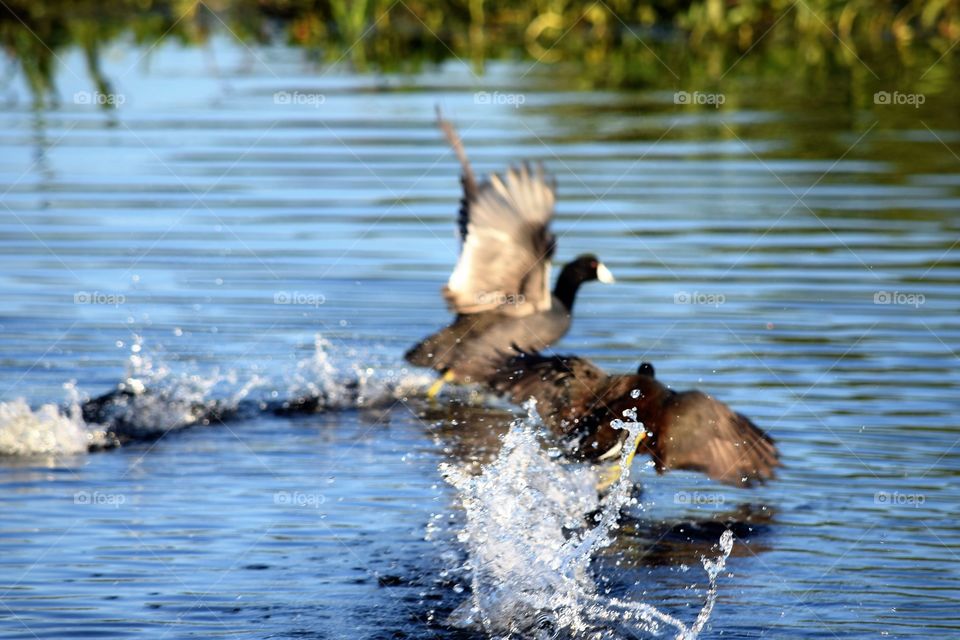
(435, 388)
(612, 473)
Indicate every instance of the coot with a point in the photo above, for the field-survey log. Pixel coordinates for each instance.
(683, 429)
(499, 289)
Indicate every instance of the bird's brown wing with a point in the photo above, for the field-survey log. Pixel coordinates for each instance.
(688, 430)
(698, 433)
(563, 386)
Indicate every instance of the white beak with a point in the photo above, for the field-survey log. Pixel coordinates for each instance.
(604, 275)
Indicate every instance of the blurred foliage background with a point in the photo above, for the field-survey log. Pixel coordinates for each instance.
(605, 42)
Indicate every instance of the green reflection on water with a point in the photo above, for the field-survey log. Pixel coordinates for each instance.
(615, 43)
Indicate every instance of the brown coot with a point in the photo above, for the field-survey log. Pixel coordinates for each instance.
(684, 429)
(499, 289)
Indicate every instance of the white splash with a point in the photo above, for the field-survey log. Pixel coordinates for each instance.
(49, 430)
(317, 376)
(157, 399)
(45, 431)
(529, 546)
(334, 375)
(152, 400)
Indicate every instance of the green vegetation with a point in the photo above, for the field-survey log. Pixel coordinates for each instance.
(608, 42)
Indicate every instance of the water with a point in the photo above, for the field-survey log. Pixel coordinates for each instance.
(223, 232)
(530, 548)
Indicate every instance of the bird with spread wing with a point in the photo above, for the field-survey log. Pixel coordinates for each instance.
(681, 429)
(500, 287)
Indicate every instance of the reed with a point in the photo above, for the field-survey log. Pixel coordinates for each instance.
(610, 40)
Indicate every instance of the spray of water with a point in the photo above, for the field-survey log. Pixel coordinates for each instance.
(317, 377)
(150, 400)
(44, 431)
(529, 547)
(49, 430)
(336, 377)
(153, 398)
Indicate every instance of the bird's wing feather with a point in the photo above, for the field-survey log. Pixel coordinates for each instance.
(561, 385)
(504, 226)
(700, 433)
(505, 258)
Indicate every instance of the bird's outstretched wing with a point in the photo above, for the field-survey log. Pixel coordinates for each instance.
(506, 241)
(686, 430)
(700, 433)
